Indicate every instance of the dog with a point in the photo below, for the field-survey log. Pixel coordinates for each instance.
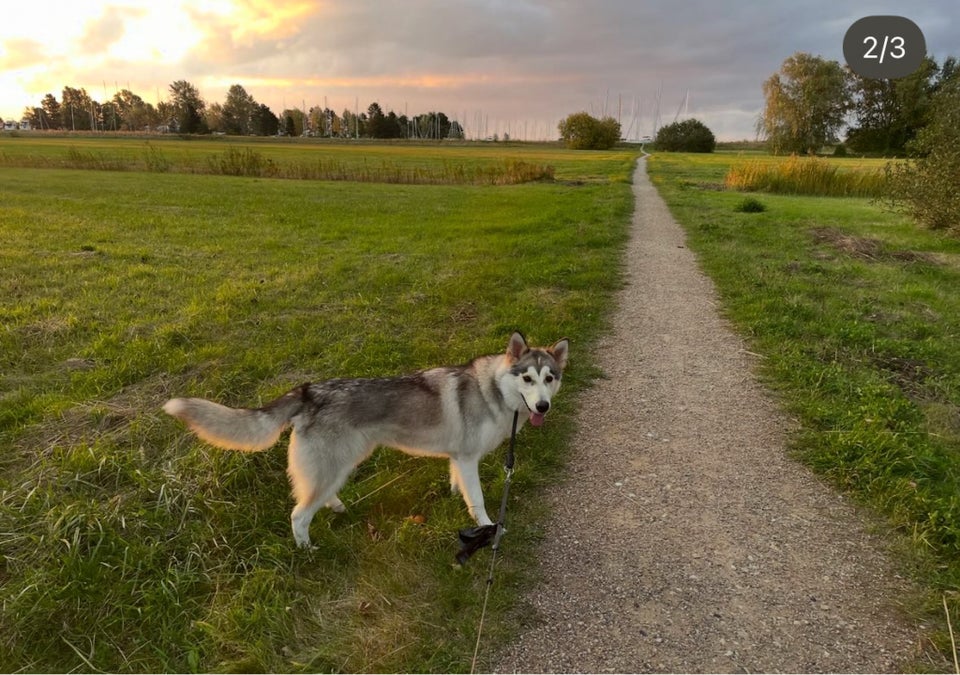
(461, 413)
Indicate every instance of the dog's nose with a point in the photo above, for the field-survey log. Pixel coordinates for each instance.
(543, 406)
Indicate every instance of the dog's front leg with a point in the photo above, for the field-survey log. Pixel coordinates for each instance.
(467, 472)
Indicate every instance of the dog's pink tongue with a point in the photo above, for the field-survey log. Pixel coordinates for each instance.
(536, 419)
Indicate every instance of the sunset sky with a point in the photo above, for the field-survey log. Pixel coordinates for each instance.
(512, 66)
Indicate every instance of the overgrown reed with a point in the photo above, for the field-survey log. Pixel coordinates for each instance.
(252, 163)
(805, 176)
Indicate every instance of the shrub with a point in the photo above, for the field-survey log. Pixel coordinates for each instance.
(750, 205)
(928, 185)
(581, 131)
(686, 136)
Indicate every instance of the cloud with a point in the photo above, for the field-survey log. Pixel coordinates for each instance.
(509, 60)
(17, 53)
(108, 29)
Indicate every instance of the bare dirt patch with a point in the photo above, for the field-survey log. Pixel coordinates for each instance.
(866, 248)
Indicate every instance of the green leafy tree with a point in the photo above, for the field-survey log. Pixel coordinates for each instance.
(928, 185)
(889, 113)
(582, 131)
(686, 136)
(135, 114)
(188, 108)
(238, 111)
(76, 110)
(51, 116)
(807, 101)
(265, 123)
(431, 125)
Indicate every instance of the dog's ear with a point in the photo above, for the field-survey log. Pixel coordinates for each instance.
(559, 350)
(518, 346)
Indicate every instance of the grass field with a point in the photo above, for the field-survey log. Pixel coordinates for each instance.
(427, 163)
(856, 314)
(129, 546)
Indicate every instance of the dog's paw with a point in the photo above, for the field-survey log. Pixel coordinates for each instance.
(336, 505)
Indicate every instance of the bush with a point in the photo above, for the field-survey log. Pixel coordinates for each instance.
(686, 136)
(928, 185)
(581, 131)
(750, 205)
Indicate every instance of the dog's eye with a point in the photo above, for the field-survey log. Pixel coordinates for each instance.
(548, 379)
(527, 379)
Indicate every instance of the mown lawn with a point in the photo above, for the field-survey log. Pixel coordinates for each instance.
(129, 546)
(856, 314)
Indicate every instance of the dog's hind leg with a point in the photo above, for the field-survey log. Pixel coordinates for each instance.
(310, 479)
(468, 471)
(454, 478)
(317, 471)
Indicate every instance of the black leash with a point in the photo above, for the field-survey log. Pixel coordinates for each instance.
(473, 539)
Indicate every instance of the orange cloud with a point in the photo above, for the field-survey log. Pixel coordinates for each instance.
(413, 80)
(20, 53)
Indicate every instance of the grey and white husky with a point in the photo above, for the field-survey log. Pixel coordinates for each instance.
(460, 412)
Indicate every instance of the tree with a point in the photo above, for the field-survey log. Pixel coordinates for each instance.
(351, 126)
(928, 185)
(806, 104)
(50, 118)
(77, 111)
(237, 111)
(581, 131)
(265, 123)
(294, 122)
(686, 136)
(188, 108)
(135, 114)
(890, 112)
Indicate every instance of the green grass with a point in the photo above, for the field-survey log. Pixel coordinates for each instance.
(129, 546)
(856, 313)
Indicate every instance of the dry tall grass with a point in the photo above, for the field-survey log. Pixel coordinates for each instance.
(805, 176)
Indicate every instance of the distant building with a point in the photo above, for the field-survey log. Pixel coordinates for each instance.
(10, 125)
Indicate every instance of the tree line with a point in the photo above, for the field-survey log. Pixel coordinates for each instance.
(810, 100)
(186, 112)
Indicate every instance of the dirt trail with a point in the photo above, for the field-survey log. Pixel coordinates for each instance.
(684, 539)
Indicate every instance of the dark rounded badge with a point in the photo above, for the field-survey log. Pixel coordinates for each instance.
(884, 47)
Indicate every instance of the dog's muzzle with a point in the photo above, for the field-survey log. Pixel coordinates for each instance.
(539, 415)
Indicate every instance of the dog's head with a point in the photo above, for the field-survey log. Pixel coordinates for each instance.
(537, 373)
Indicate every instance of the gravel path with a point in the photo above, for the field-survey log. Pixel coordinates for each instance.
(684, 539)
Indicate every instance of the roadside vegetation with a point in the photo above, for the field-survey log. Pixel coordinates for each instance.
(854, 314)
(127, 545)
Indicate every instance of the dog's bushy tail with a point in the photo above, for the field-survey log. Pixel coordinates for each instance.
(236, 428)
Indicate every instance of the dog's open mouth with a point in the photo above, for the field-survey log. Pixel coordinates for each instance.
(536, 418)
